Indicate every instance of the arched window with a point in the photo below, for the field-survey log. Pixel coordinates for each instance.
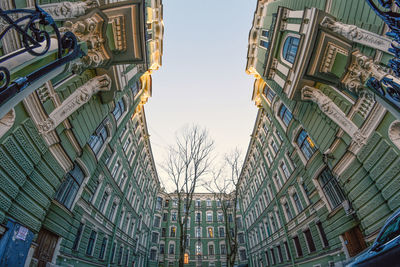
(285, 115)
(306, 145)
(290, 48)
(186, 260)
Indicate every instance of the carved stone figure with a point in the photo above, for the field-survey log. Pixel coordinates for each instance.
(358, 35)
(81, 96)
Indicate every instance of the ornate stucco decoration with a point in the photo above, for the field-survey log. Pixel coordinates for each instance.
(7, 122)
(360, 70)
(89, 30)
(67, 10)
(330, 55)
(394, 133)
(79, 97)
(358, 35)
(329, 108)
(365, 103)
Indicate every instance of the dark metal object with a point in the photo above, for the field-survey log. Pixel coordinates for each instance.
(30, 25)
(387, 88)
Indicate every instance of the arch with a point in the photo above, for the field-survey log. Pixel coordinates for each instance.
(289, 48)
(394, 133)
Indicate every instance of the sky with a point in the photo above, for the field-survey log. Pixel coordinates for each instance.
(202, 79)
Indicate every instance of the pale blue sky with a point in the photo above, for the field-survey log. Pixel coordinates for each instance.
(203, 79)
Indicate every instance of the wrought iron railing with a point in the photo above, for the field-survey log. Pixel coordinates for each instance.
(35, 28)
(389, 87)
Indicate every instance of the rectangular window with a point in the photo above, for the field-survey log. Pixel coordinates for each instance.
(288, 212)
(165, 217)
(242, 254)
(153, 254)
(173, 216)
(119, 109)
(210, 232)
(223, 249)
(198, 232)
(280, 256)
(331, 188)
(273, 256)
(321, 231)
(98, 138)
(274, 147)
(104, 201)
(285, 170)
(310, 241)
(198, 216)
(69, 188)
(103, 248)
(211, 250)
(208, 202)
(298, 246)
(267, 258)
(209, 217)
(162, 249)
(171, 249)
(121, 250)
(173, 232)
(287, 251)
(264, 44)
(269, 157)
(221, 232)
(157, 221)
(163, 232)
(77, 237)
(113, 252)
(264, 33)
(92, 239)
(241, 238)
(154, 237)
(297, 202)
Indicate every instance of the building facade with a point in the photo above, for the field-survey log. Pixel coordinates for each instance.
(321, 172)
(206, 233)
(78, 179)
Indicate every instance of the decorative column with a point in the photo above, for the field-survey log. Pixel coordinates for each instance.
(79, 97)
(330, 109)
(358, 35)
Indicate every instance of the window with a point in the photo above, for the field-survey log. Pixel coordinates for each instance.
(198, 203)
(165, 217)
(221, 232)
(290, 48)
(297, 246)
(153, 254)
(321, 231)
(186, 258)
(239, 222)
(69, 188)
(242, 255)
(264, 33)
(115, 169)
(223, 249)
(306, 145)
(92, 239)
(163, 232)
(267, 257)
(285, 170)
(209, 216)
(210, 232)
(154, 237)
(285, 115)
(198, 216)
(98, 138)
(218, 203)
(113, 252)
(198, 232)
(126, 257)
(104, 201)
(157, 221)
(274, 146)
(77, 237)
(264, 44)
(175, 202)
(310, 241)
(208, 202)
(287, 250)
(287, 210)
(198, 248)
(171, 249)
(162, 249)
(211, 250)
(172, 232)
(269, 157)
(173, 216)
(127, 143)
(220, 217)
(241, 238)
(273, 256)
(279, 135)
(297, 202)
(119, 109)
(331, 188)
(103, 248)
(121, 250)
(112, 211)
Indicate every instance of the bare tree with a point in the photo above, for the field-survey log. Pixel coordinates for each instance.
(187, 162)
(226, 191)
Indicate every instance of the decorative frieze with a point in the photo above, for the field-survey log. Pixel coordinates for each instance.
(358, 35)
(68, 10)
(79, 97)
